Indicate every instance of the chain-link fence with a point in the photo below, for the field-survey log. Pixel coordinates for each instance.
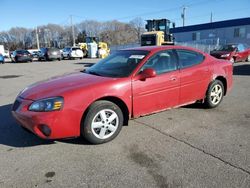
(206, 45)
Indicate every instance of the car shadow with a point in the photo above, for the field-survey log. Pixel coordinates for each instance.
(11, 134)
(84, 64)
(242, 70)
(196, 105)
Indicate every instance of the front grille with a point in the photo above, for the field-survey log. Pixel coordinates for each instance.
(16, 105)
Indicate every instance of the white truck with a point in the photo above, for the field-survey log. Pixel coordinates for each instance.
(5, 53)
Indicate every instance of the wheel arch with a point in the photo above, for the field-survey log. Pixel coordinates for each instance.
(224, 81)
(119, 102)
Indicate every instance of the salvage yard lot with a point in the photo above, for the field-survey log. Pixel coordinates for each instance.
(185, 147)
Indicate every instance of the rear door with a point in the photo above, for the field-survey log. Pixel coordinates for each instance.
(195, 76)
(161, 92)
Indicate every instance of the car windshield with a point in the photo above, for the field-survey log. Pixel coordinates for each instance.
(22, 52)
(43, 50)
(66, 49)
(228, 48)
(119, 64)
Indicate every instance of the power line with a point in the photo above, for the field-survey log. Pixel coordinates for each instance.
(167, 10)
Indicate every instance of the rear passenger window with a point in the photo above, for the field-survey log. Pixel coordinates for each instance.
(189, 58)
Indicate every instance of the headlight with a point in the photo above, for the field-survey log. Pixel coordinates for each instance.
(225, 55)
(46, 105)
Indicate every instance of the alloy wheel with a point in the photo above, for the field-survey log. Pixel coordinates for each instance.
(105, 123)
(216, 94)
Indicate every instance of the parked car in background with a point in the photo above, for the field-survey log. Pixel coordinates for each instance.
(76, 52)
(72, 53)
(127, 84)
(232, 52)
(21, 56)
(48, 54)
(1, 58)
(66, 53)
(35, 55)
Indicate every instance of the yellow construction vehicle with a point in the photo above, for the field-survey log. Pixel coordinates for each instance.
(157, 33)
(92, 48)
(103, 50)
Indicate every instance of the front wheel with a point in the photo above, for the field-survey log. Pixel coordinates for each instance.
(103, 122)
(214, 94)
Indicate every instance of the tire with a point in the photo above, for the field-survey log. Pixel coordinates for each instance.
(85, 53)
(215, 94)
(103, 122)
(59, 59)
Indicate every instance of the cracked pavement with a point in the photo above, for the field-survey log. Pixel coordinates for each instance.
(184, 147)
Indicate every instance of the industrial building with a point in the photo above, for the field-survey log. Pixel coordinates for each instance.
(215, 33)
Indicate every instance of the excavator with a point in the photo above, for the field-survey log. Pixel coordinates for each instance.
(93, 48)
(157, 33)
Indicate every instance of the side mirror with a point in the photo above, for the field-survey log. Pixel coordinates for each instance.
(146, 73)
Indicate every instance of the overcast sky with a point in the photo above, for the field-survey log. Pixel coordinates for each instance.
(30, 13)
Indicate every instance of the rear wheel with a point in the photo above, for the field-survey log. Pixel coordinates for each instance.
(214, 94)
(103, 122)
(46, 58)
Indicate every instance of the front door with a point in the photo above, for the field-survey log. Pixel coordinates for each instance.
(161, 92)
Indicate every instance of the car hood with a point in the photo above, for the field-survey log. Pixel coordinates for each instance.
(57, 86)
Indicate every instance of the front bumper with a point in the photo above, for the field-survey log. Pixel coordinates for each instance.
(46, 125)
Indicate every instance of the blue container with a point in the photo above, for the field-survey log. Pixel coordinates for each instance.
(1, 58)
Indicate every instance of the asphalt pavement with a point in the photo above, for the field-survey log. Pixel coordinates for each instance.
(184, 147)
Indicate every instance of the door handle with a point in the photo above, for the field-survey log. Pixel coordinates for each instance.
(173, 79)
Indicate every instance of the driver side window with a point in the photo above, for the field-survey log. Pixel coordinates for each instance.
(162, 62)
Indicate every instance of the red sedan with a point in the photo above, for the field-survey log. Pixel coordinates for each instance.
(130, 83)
(233, 52)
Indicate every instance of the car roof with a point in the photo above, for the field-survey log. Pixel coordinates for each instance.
(167, 47)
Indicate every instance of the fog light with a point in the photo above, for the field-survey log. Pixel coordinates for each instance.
(45, 130)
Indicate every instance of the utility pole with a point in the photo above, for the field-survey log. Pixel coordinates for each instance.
(37, 39)
(211, 17)
(183, 15)
(73, 31)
